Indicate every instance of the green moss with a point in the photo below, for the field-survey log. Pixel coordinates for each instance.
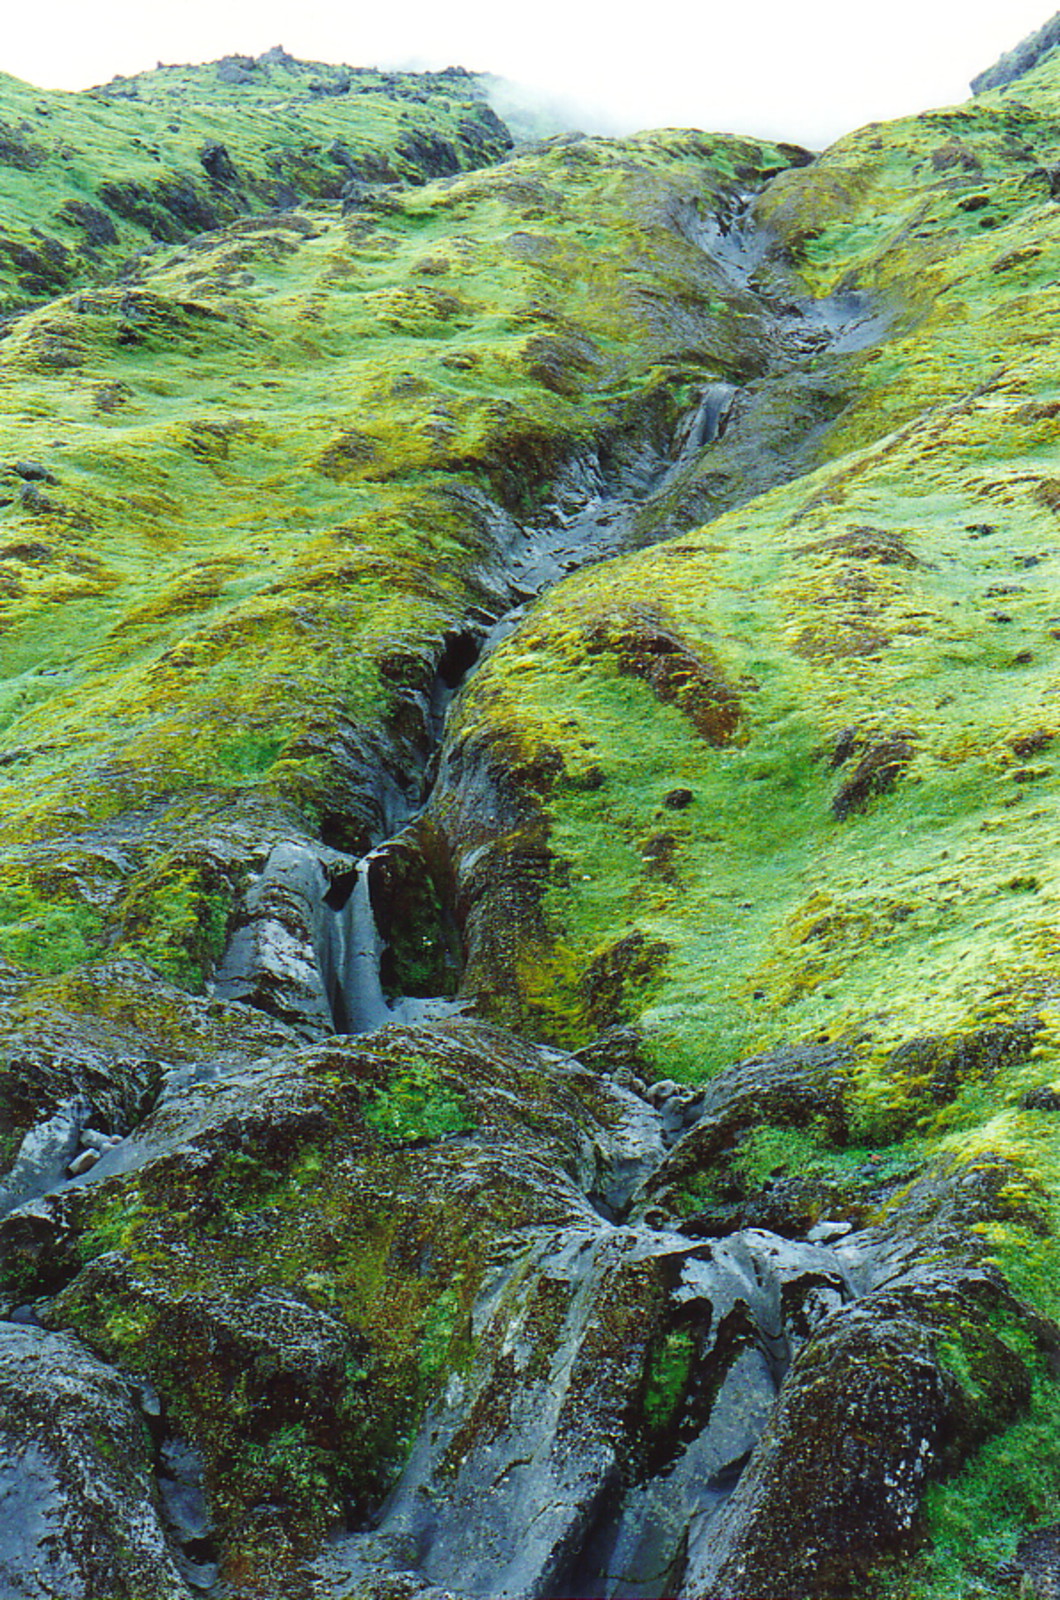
(287, 1465)
(242, 561)
(113, 1225)
(767, 1151)
(132, 169)
(418, 1104)
(667, 1375)
(44, 935)
(175, 916)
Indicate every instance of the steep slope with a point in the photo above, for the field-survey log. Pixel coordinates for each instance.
(752, 1294)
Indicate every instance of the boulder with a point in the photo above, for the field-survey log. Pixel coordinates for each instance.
(79, 1508)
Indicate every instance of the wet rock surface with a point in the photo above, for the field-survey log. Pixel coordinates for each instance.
(292, 1230)
(79, 1510)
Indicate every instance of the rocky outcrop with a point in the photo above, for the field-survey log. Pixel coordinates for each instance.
(80, 1514)
(1024, 58)
(388, 1282)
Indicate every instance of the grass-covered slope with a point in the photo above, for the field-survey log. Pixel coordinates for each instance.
(247, 493)
(94, 178)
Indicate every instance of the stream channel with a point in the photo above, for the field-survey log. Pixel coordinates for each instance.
(588, 519)
(544, 1505)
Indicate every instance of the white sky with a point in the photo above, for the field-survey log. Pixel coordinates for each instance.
(803, 70)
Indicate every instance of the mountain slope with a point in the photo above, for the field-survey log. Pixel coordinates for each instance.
(527, 889)
(95, 178)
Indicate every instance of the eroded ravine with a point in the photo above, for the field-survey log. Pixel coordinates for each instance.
(594, 513)
(612, 1509)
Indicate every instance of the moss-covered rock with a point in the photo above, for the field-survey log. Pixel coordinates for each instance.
(76, 1459)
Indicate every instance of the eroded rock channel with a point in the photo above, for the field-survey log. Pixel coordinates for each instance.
(588, 1362)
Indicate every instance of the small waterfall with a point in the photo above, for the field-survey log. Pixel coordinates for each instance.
(710, 419)
(587, 519)
(349, 955)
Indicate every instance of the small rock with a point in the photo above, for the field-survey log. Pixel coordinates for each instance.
(146, 1397)
(180, 1483)
(34, 472)
(658, 1092)
(672, 1112)
(83, 1163)
(93, 1139)
(36, 502)
(827, 1229)
(217, 163)
(1043, 1098)
(678, 799)
(26, 1316)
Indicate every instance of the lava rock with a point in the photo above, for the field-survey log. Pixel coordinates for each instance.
(1038, 1562)
(877, 772)
(98, 227)
(78, 1508)
(34, 472)
(217, 163)
(1043, 1098)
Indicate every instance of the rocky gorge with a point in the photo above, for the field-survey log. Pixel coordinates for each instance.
(529, 989)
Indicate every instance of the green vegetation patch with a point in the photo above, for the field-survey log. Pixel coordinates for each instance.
(46, 935)
(418, 1104)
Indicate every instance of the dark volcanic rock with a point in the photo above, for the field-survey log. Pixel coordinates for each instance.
(869, 1413)
(622, 1377)
(79, 1513)
(314, 1218)
(786, 1088)
(98, 227)
(86, 1057)
(876, 773)
(217, 163)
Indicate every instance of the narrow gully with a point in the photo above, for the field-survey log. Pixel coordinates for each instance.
(586, 524)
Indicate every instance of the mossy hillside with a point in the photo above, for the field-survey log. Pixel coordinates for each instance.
(948, 219)
(230, 512)
(899, 593)
(783, 919)
(92, 178)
